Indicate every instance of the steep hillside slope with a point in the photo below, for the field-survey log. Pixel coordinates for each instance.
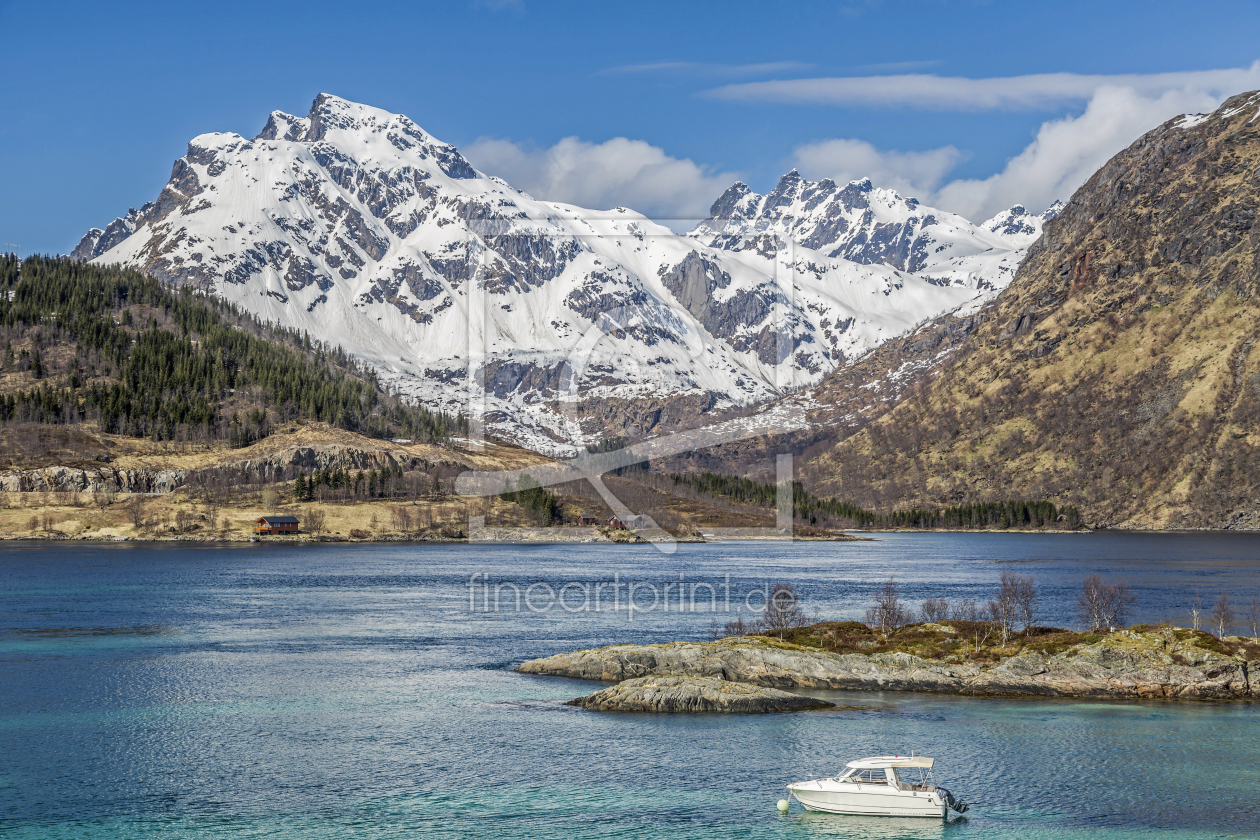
(357, 226)
(1117, 372)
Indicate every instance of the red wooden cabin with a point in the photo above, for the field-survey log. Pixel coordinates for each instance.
(276, 525)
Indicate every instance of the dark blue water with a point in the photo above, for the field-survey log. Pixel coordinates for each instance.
(339, 691)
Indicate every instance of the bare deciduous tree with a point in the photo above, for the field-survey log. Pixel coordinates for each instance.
(1104, 606)
(965, 610)
(783, 611)
(979, 631)
(1002, 614)
(1223, 616)
(1252, 615)
(315, 520)
(889, 613)
(736, 627)
(1196, 610)
(934, 610)
(400, 518)
(1003, 608)
(1026, 600)
(135, 507)
(212, 509)
(185, 520)
(270, 498)
(105, 496)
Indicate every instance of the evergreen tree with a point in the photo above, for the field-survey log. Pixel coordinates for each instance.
(37, 364)
(299, 487)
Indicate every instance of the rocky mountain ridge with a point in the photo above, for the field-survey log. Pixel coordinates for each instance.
(864, 224)
(358, 227)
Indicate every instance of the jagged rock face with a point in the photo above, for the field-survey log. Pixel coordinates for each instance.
(864, 224)
(1117, 372)
(75, 480)
(357, 226)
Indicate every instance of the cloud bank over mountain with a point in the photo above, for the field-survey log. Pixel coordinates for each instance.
(616, 173)
(1110, 110)
(1062, 155)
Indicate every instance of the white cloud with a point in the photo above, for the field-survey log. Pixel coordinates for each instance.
(1064, 153)
(910, 173)
(1067, 151)
(952, 93)
(617, 173)
(709, 69)
(1062, 156)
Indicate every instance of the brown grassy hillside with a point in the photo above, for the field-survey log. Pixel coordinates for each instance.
(1117, 371)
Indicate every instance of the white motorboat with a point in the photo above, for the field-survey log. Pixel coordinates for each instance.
(883, 785)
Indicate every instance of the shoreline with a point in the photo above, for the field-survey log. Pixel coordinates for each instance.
(1165, 664)
(562, 537)
(854, 537)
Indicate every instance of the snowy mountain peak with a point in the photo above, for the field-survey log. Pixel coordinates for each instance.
(856, 221)
(282, 126)
(736, 203)
(1020, 227)
(862, 223)
(357, 226)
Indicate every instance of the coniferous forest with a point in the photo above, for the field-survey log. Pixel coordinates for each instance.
(112, 346)
(1017, 513)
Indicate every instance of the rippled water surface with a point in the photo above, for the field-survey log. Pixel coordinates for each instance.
(338, 691)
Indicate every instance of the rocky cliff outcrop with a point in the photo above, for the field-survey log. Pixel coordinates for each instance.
(1124, 665)
(91, 480)
(260, 467)
(694, 694)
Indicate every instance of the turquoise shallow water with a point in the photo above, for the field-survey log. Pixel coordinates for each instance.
(350, 692)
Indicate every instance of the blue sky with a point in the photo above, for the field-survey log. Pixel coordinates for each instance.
(101, 98)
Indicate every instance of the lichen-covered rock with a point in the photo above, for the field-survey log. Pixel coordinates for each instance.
(760, 662)
(1124, 664)
(694, 694)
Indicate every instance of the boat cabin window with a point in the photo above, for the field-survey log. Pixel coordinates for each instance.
(876, 776)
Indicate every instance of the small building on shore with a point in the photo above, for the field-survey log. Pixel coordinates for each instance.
(276, 525)
(587, 519)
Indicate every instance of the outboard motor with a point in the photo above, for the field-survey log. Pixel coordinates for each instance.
(960, 807)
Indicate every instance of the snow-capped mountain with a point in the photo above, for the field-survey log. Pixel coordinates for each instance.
(862, 223)
(357, 226)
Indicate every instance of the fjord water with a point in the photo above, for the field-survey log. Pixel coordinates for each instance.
(350, 691)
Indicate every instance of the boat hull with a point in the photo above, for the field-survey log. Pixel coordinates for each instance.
(870, 802)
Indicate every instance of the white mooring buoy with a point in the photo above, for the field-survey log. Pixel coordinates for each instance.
(783, 806)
